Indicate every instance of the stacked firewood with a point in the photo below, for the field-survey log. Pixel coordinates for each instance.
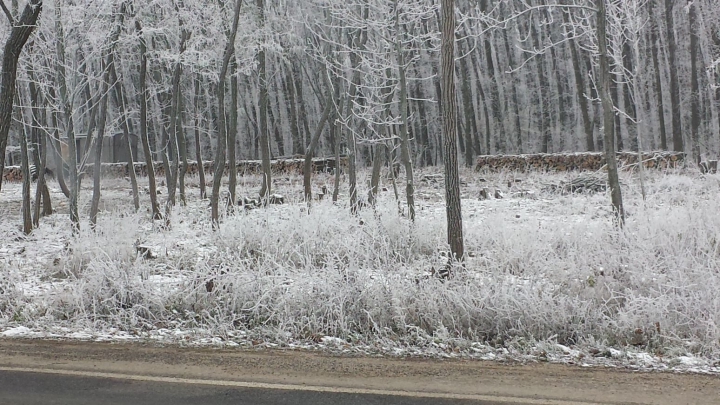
(13, 174)
(244, 167)
(589, 161)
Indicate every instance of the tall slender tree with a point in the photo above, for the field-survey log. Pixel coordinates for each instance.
(449, 123)
(608, 113)
(222, 128)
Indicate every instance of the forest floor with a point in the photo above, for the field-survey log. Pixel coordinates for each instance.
(548, 277)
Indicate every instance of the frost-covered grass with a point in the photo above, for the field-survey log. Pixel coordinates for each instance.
(544, 272)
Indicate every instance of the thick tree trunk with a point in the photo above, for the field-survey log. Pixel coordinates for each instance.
(449, 116)
(14, 44)
(608, 114)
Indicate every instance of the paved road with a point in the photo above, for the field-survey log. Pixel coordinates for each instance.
(27, 388)
(64, 373)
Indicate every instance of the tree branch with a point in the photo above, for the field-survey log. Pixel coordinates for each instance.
(7, 13)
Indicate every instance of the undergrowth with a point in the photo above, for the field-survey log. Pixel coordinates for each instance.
(550, 269)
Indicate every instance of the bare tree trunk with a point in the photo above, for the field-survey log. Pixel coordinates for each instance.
(109, 75)
(304, 131)
(337, 133)
(121, 104)
(142, 101)
(657, 76)
(608, 114)
(69, 122)
(59, 163)
(694, 83)
(182, 149)
(678, 143)
(222, 129)
(545, 116)
(514, 96)
(198, 149)
(357, 41)
(172, 176)
(449, 115)
(39, 155)
(14, 44)
(90, 102)
(289, 88)
(276, 123)
(25, 167)
(377, 165)
(266, 188)
(232, 133)
(631, 109)
(95, 202)
(580, 91)
(307, 164)
(404, 137)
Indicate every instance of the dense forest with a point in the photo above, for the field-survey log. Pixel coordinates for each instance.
(525, 71)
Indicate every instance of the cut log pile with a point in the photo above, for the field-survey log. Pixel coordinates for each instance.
(588, 161)
(284, 166)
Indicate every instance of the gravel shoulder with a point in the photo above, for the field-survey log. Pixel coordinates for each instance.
(522, 383)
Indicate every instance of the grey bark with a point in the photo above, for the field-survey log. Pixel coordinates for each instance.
(142, 102)
(222, 132)
(68, 120)
(198, 148)
(449, 116)
(266, 188)
(404, 137)
(608, 114)
(19, 34)
(678, 143)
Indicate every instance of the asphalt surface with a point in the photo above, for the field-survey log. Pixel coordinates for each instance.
(25, 388)
(81, 372)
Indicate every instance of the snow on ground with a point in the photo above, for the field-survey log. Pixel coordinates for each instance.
(548, 277)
